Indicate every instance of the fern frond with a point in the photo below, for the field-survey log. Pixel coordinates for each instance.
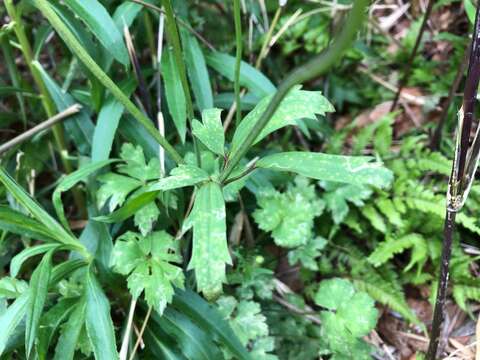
(462, 293)
(385, 293)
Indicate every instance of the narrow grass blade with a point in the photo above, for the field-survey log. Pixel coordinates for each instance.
(18, 260)
(11, 318)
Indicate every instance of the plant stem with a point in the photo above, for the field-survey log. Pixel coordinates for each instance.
(84, 57)
(238, 58)
(459, 182)
(42, 126)
(315, 67)
(413, 55)
(442, 285)
(47, 102)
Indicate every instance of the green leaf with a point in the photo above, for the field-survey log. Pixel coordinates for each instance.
(36, 300)
(290, 215)
(18, 223)
(50, 322)
(79, 126)
(245, 318)
(470, 10)
(148, 262)
(70, 181)
(209, 249)
(108, 120)
(65, 268)
(20, 258)
(181, 176)
(297, 105)
(133, 205)
(357, 170)
(97, 19)
(177, 105)
(210, 133)
(145, 218)
(98, 321)
(70, 334)
(11, 288)
(194, 343)
(250, 77)
(359, 313)
(56, 230)
(337, 195)
(125, 14)
(115, 188)
(197, 71)
(307, 254)
(209, 318)
(136, 165)
(334, 293)
(11, 318)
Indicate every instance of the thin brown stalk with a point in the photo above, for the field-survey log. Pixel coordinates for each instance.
(140, 335)
(413, 55)
(40, 127)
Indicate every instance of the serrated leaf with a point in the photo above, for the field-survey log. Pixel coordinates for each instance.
(250, 77)
(98, 321)
(290, 215)
(115, 189)
(358, 170)
(136, 165)
(147, 260)
(177, 104)
(210, 133)
(36, 299)
(209, 251)
(67, 342)
(298, 104)
(338, 194)
(333, 293)
(181, 176)
(308, 253)
(145, 218)
(96, 17)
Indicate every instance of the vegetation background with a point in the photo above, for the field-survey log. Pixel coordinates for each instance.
(153, 218)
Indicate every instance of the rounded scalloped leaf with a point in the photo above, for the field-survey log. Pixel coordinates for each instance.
(333, 293)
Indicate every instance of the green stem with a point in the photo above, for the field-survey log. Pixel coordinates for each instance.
(47, 102)
(84, 57)
(238, 58)
(174, 39)
(315, 67)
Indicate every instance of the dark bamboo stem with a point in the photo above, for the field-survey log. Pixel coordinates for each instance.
(413, 55)
(458, 183)
(442, 285)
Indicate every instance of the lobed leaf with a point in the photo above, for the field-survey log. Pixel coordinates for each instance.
(210, 133)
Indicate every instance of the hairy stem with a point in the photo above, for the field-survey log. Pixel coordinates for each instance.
(84, 57)
(315, 67)
(413, 55)
(238, 58)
